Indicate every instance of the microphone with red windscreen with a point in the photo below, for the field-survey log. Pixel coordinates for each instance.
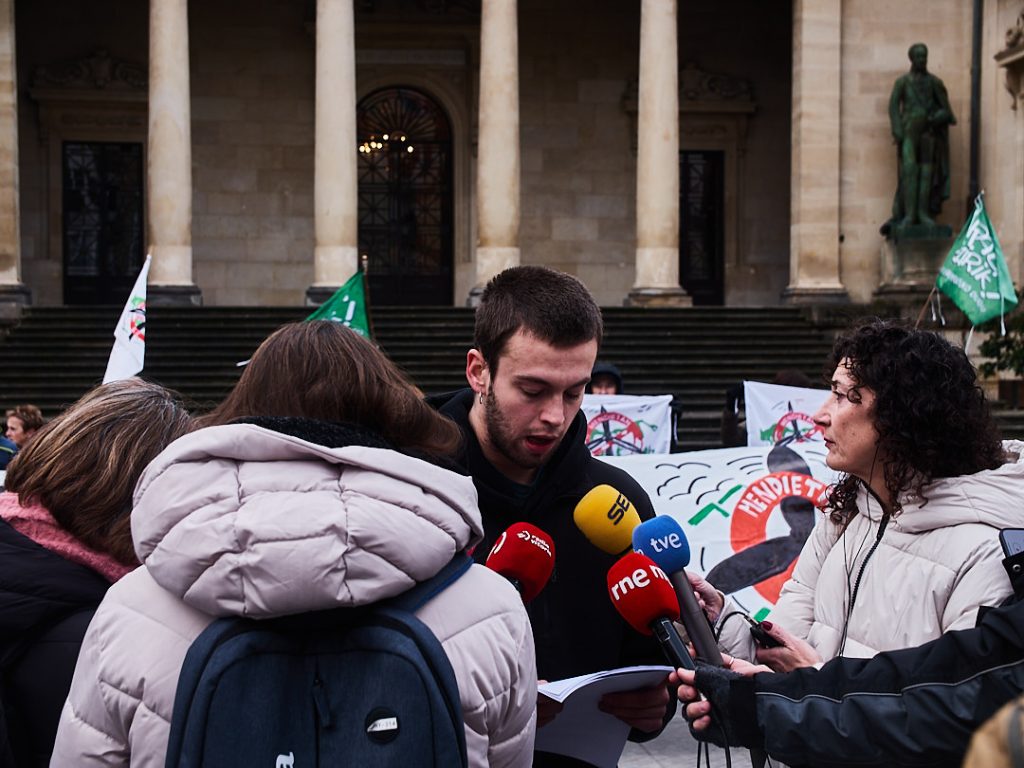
(643, 594)
(524, 555)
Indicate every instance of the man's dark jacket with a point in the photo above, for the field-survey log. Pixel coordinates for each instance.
(575, 626)
(46, 603)
(912, 707)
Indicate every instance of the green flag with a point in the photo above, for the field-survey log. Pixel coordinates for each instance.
(347, 306)
(975, 275)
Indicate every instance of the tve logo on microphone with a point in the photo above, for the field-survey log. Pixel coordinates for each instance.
(660, 544)
(662, 539)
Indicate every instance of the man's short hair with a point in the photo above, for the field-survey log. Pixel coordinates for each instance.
(31, 417)
(553, 306)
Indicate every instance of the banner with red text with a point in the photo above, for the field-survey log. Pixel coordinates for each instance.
(746, 512)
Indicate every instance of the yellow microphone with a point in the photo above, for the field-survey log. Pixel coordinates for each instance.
(607, 519)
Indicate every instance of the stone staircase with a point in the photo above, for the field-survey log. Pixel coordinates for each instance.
(55, 354)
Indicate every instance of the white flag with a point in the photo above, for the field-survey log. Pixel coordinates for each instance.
(781, 414)
(128, 355)
(621, 425)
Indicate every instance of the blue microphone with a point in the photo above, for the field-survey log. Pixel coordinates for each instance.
(662, 539)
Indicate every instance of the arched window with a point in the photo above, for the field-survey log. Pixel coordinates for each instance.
(405, 197)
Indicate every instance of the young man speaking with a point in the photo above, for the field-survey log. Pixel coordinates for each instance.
(536, 339)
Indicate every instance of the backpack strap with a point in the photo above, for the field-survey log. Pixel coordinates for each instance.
(413, 599)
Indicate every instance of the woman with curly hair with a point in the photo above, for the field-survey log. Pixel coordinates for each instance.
(909, 546)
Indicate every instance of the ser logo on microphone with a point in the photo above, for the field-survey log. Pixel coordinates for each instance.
(618, 509)
(640, 578)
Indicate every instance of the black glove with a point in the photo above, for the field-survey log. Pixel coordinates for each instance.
(733, 709)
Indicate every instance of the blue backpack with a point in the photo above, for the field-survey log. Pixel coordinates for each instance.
(350, 686)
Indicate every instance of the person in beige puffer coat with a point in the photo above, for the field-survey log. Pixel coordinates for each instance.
(296, 512)
(909, 546)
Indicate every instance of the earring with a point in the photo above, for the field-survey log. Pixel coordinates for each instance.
(481, 398)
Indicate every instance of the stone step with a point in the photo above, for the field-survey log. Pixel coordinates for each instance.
(56, 354)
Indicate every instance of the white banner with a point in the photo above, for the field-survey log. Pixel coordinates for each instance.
(128, 355)
(776, 413)
(746, 512)
(625, 425)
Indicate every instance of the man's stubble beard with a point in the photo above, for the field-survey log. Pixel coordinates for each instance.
(499, 434)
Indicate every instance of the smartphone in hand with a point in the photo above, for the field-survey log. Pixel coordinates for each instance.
(761, 636)
(1012, 541)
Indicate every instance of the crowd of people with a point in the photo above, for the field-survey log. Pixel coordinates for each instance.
(327, 480)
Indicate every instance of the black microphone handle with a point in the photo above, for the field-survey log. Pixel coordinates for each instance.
(695, 621)
(671, 644)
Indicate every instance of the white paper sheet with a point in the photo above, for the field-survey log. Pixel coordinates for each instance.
(583, 731)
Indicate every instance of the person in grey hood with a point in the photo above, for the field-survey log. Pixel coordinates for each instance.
(605, 379)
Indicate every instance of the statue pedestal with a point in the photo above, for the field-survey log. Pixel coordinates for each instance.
(910, 266)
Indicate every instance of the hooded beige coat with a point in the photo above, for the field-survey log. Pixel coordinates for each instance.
(936, 564)
(241, 520)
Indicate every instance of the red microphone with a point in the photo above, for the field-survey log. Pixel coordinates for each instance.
(643, 594)
(524, 555)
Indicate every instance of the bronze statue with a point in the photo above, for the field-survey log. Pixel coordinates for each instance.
(920, 116)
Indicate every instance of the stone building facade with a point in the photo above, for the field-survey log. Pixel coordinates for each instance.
(733, 153)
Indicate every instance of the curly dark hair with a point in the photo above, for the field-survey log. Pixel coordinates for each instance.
(930, 414)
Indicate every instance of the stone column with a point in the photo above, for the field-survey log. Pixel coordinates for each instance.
(814, 275)
(169, 157)
(497, 169)
(657, 161)
(335, 181)
(13, 295)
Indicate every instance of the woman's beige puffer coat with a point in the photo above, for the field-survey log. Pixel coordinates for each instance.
(936, 564)
(242, 520)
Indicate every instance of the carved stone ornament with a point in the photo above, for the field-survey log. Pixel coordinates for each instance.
(97, 92)
(99, 72)
(712, 105)
(1015, 34)
(697, 85)
(1012, 59)
(703, 91)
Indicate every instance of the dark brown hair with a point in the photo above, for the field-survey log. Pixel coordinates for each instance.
(931, 416)
(84, 464)
(323, 370)
(553, 306)
(31, 417)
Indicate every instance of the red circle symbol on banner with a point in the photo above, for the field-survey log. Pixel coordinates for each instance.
(625, 431)
(790, 424)
(757, 504)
